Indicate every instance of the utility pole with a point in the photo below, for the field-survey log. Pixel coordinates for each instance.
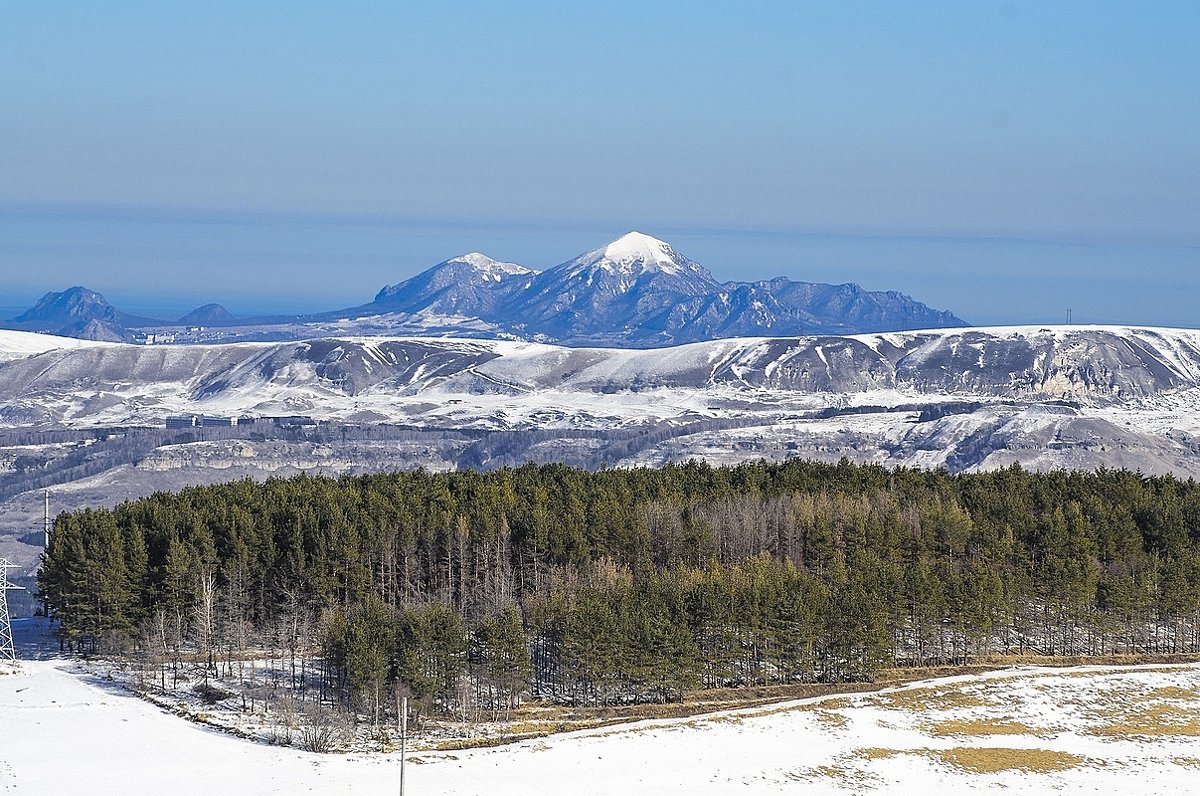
(403, 738)
(46, 547)
(7, 652)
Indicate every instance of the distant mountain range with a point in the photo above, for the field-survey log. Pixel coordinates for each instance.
(636, 292)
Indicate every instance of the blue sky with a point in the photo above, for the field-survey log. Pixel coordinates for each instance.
(1003, 160)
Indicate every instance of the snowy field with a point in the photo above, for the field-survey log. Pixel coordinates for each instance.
(1022, 731)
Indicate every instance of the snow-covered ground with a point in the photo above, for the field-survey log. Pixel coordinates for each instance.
(14, 345)
(507, 384)
(1022, 731)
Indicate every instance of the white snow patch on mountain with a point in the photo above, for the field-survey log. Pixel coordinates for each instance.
(492, 268)
(632, 253)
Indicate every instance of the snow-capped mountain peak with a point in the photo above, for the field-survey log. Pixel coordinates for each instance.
(491, 268)
(635, 253)
(469, 286)
(638, 247)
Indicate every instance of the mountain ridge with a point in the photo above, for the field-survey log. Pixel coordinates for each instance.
(635, 292)
(638, 292)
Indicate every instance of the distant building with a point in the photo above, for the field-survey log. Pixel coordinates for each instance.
(218, 422)
(184, 421)
(293, 421)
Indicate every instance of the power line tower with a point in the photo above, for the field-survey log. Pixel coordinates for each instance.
(7, 653)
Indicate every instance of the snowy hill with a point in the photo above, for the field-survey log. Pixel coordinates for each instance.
(1046, 396)
(16, 345)
(1098, 366)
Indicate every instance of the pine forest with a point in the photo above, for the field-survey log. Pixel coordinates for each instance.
(479, 590)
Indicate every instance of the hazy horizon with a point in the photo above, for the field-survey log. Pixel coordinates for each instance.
(165, 264)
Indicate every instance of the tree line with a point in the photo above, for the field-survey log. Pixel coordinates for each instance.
(468, 591)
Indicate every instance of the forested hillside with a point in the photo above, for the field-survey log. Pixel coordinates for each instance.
(641, 584)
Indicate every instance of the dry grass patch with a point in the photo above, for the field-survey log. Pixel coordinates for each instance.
(838, 703)
(544, 727)
(922, 702)
(1186, 762)
(463, 744)
(1147, 721)
(833, 720)
(851, 778)
(978, 727)
(512, 733)
(720, 720)
(876, 753)
(824, 710)
(985, 760)
(993, 760)
(1174, 692)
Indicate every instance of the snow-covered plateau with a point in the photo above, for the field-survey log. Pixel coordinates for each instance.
(963, 398)
(1077, 397)
(1020, 731)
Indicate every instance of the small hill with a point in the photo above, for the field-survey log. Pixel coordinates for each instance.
(79, 312)
(208, 315)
